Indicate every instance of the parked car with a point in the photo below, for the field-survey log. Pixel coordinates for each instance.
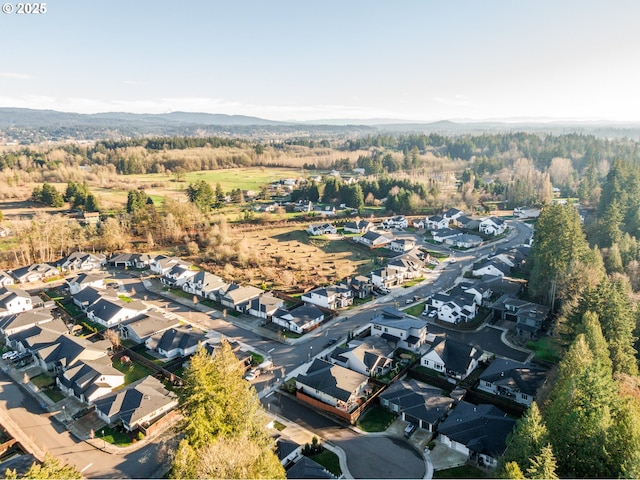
(409, 429)
(432, 313)
(10, 355)
(331, 341)
(252, 374)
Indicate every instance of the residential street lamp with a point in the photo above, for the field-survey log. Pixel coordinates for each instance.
(310, 352)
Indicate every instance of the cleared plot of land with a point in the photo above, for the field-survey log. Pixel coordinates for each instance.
(289, 257)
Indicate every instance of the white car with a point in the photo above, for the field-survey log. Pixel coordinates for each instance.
(10, 355)
(432, 313)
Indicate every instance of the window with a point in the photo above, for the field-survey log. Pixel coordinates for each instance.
(524, 396)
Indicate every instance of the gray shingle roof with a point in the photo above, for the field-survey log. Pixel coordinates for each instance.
(519, 377)
(334, 380)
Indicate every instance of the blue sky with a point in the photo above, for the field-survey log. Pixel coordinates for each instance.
(283, 60)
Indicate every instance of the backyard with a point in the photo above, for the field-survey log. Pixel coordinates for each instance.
(376, 419)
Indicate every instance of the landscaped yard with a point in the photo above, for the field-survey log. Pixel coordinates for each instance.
(328, 460)
(132, 371)
(545, 349)
(113, 436)
(416, 309)
(43, 381)
(376, 419)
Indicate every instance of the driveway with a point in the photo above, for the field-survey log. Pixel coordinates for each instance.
(367, 455)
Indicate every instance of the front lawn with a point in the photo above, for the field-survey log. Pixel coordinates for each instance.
(328, 460)
(416, 309)
(413, 282)
(114, 436)
(376, 419)
(546, 350)
(43, 381)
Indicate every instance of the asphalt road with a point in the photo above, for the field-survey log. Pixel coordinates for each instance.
(368, 455)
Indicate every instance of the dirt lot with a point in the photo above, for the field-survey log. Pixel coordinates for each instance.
(290, 257)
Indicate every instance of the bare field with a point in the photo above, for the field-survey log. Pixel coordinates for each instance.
(289, 257)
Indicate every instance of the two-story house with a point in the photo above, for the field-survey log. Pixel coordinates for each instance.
(399, 330)
(331, 297)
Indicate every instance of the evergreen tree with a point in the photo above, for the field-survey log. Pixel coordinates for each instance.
(50, 468)
(91, 204)
(527, 440)
(201, 194)
(136, 199)
(543, 465)
(222, 414)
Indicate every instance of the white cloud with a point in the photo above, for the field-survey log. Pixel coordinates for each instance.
(455, 101)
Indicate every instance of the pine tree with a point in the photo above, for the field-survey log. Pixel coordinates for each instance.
(543, 465)
(222, 413)
(50, 468)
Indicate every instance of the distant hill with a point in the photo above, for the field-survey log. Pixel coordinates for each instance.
(25, 126)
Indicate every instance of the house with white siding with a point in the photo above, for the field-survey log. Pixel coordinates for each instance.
(400, 330)
(331, 297)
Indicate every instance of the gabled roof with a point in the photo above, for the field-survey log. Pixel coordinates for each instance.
(334, 380)
(208, 280)
(481, 428)
(107, 308)
(419, 400)
(24, 319)
(87, 278)
(239, 294)
(89, 295)
(373, 236)
(83, 375)
(518, 377)
(150, 323)
(391, 317)
(504, 268)
(301, 315)
(9, 293)
(452, 212)
(373, 352)
(266, 303)
(136, 401)
(181, 339)
(455, 355)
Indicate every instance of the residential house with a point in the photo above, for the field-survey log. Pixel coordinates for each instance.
(402, 245)
(492, 226)
(131, 260)
(205, 284)
(436, 222)
(175, 341)
(55, 351)
(373, 239)
(360, 285)
(372, 356)
(331, 297)
(265, 306)
(359, 226)
(517, 381)
(325, 211)
(490, 267)
(14, 300)
(321, 229)
(138, 404)
(299, 319)
(443, 234)
(303, 206)
(239, 297)
(481, 293)
(399, 330)
(83, 261)
(455, 360)
(89, 218)
(178, 274)
(34, 273)
(89, 380)
(524, 213)
(140, 328)
(454, 307)
(162, 264)
(332, 384)
(386, 277)
(467, 223)
(84, 280)
(528, 316)
(421, 404)
(87, 297)
(288, 451)
(453, 214)
(408, 265)
(479, 431)
(110, 311)
(44, 333)
(399, 221)
(6, 280)
(12, 324)
(464, 241)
